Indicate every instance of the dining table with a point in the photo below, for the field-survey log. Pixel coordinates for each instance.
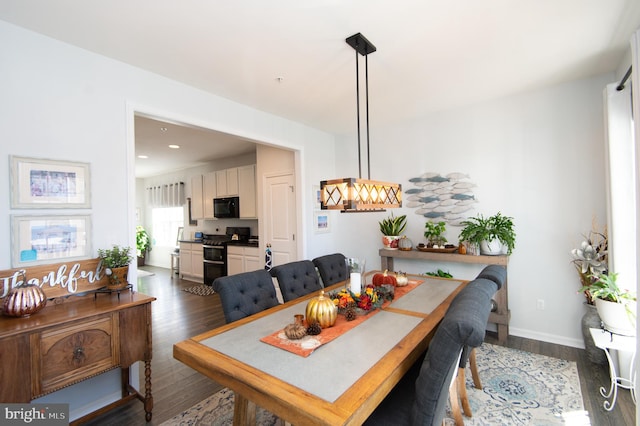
(340, 382)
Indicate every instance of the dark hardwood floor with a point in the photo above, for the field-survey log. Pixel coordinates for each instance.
(178, 315)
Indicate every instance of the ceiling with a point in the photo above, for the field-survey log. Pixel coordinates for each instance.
(197, 146)
(289, 57)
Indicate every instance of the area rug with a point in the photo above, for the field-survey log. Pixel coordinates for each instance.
(217, 410)
(519, 388)
(200, 290)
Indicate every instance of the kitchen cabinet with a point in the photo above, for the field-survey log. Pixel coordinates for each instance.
(208, 194)
(227, 183)
(197, 206)
(243, 259)
(247, 191)
(191, 261)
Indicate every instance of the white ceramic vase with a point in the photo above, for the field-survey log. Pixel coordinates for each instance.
(492, 248)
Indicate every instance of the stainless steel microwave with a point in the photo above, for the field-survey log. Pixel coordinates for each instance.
(226, 207)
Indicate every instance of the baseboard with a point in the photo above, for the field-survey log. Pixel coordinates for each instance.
(545, 337)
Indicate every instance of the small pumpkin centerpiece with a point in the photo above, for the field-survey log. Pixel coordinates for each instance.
(401, 279)
(115, 262)
(382, 278)
(321, 310)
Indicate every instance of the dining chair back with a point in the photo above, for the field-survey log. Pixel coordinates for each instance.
(332, 268)
(423, 401)
(296, 279)
(463, 325)
(245, 294)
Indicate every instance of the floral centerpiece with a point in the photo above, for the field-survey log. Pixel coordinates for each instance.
(371, 298)
(591, 259)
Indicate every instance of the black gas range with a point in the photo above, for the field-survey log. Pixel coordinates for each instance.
(214, 248)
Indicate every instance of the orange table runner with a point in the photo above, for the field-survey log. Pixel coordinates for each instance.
(305, 346)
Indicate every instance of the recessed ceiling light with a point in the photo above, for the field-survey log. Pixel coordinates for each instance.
(174, 146)
(163, 129)
(143, 156)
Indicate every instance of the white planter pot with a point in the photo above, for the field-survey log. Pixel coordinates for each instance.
(390, 242)
(492, 248)
(619, 318)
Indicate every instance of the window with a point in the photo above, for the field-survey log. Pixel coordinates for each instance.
(166, 221)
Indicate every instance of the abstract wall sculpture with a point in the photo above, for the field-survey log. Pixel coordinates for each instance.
(447, 198)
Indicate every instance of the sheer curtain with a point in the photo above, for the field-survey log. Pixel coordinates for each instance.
(621, 184)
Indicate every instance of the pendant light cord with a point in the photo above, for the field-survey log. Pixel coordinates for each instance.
(358, 113)
(366, 79)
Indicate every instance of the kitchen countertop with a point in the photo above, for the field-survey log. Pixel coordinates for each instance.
(190, 241)
(243, 243)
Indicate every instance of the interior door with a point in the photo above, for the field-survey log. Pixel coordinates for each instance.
(280, 217)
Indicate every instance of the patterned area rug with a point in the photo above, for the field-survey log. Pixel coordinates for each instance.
(200, 290)
(217, 410)
(520, 388)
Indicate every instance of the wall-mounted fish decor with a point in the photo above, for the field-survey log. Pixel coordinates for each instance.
(449, 197)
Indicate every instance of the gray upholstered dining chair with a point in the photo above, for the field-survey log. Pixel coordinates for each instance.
(245, 294)
(423, 401)
(497, 274)
(332, 268)
(296, 279)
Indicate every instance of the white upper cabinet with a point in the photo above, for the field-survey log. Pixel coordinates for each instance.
(247, 191)
(208, 194)
(227, 183)
(197, 206)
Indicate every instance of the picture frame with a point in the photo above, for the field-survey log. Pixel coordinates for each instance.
(317, 197)
(39, 183)
(46, 239)
(321, 222)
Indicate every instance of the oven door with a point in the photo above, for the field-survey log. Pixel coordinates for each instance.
(213, 253)
(213, 270)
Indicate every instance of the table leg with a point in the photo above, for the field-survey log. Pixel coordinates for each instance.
(244, 411)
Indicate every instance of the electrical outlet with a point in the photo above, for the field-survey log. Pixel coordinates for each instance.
(540, 305)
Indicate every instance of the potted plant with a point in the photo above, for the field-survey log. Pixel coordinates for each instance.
(115, 262)
(616, 306)
(143, 244)
(434, 233)
(590, 260)
(391, 229)
(494, 234)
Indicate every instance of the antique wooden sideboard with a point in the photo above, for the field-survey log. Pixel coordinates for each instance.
(500, 316)
(75, 337)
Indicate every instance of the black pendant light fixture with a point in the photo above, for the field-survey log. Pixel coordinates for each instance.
(357, 194)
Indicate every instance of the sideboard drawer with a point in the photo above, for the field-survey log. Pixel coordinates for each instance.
(71, 353)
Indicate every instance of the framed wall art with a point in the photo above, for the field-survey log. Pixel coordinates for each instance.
(39, 183)
(49, 239)
(321, 222)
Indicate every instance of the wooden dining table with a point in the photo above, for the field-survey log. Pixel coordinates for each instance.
(342, 381)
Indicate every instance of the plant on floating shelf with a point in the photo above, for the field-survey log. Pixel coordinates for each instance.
(434, 233)
(479, 230)
(393, 225)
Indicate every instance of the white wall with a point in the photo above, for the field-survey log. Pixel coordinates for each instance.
(538, 157)
(61, 102)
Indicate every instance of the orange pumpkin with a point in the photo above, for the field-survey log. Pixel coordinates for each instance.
(384, 278)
